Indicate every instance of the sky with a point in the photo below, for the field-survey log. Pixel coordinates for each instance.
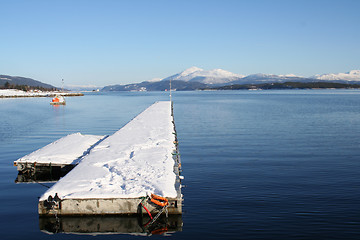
(107, 42)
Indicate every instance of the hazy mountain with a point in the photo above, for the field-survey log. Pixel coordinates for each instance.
(353, 75)
(22, 81)
(289, 85)
(82, 87)
(266, 78)
(215, 76)
(157, 86)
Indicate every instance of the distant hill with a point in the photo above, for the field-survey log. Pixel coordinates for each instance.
(288, 85)
(157, 86)
(271, 78)
(79, 88)
(23, 81)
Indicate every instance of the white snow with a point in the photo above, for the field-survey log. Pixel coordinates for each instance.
(290, 76)
(214, 76)
(19, 93)
(66, 150)
(353, 75)
(189, 71)
(217, 76)
(133, 162)
(154, 80)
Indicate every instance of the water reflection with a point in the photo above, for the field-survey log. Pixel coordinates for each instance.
(96, 225)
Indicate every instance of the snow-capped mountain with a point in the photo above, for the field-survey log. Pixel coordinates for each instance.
(220, 76)
(215, 76)
(353, 75)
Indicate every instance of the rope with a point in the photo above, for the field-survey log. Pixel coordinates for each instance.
(142, 205)
(147, 210)
(158, 215)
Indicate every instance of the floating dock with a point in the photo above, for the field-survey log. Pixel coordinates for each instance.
(120, 174)
(56, 159)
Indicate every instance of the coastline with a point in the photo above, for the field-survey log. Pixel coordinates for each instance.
(13, 93)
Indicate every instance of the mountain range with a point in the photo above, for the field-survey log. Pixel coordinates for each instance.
(195, 78)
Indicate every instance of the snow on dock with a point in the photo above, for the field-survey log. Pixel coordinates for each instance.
(66, 151)
(134, 162)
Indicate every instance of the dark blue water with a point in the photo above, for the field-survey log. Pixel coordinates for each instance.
(257, 165)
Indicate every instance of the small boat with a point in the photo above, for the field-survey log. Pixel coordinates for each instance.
(58, 100)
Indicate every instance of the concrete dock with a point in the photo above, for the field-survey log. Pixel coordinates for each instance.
(119, 175)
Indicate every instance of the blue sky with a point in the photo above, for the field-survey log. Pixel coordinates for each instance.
(116, 42)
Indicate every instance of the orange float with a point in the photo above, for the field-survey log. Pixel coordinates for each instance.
(160, 201)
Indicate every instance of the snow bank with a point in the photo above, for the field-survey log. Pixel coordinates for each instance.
(20, 93)
(66, 150)
(133, 162)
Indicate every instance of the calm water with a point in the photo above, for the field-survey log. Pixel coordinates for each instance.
(257, 165)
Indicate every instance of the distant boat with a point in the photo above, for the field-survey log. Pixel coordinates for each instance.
(58, 100)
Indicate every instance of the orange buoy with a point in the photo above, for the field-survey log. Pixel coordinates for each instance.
(160, 201)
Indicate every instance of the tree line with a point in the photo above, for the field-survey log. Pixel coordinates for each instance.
(25, 88)
(288, 85)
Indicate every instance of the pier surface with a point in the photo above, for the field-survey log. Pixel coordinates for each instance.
(136, 161)
(66, 151)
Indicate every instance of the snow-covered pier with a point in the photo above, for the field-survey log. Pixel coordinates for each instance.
(137, 169)
(59, 156)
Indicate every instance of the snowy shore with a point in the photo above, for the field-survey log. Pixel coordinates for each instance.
(14, 93)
